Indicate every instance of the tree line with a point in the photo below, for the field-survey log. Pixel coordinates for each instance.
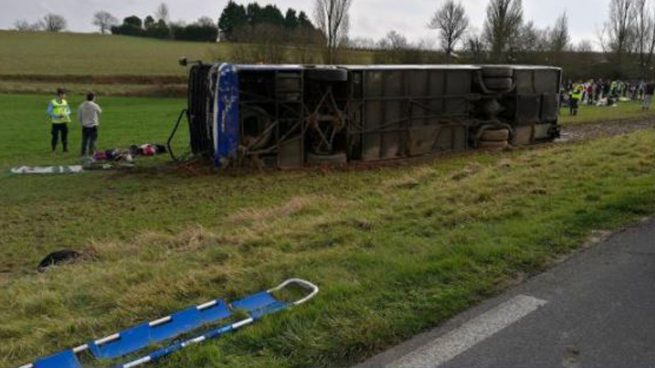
(153, 26)
(159, 26)
(627, 40)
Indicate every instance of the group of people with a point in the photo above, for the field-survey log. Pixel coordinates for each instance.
(88, 114)
(606, 93)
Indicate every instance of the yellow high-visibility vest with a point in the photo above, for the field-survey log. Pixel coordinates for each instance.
(60, 111)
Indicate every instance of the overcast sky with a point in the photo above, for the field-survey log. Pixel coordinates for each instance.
(369, 18)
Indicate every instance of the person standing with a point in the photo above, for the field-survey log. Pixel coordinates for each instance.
(590, 93)
(649, 90)
(575, 98)
(60, 115)
(88, 113)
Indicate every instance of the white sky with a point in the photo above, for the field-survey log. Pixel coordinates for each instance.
(369, 18)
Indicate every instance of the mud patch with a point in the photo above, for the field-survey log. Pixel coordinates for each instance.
(582, 132)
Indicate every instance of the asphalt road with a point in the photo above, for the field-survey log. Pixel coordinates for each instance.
(597, 309)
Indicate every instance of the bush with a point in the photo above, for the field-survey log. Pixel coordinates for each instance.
(195, 32)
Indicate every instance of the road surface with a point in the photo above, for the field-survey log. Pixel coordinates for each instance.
(597, 309)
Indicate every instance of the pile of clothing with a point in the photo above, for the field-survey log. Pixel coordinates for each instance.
(128, 155)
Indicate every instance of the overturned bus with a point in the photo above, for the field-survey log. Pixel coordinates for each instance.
(290, 116)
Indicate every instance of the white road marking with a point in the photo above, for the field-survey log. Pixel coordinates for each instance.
(450, 345)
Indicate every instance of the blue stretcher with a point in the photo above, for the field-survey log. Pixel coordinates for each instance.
(146, 334)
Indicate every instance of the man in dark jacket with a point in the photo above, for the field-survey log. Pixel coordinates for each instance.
(648, 95)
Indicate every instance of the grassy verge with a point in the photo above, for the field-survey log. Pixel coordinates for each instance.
(394, 250)
(25, 135)
(596, 114)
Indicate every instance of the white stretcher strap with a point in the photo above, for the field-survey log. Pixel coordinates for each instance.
(300, 282)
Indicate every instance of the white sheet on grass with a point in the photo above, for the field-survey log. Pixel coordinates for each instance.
(73, 169)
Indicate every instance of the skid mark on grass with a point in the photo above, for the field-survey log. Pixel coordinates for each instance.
(155, 245)
(468, 171)
(295, 205)
(406, 182)
(417, 176)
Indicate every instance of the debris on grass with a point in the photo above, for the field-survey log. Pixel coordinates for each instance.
(59, 257)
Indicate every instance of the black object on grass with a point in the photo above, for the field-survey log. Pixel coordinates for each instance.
(58, 257)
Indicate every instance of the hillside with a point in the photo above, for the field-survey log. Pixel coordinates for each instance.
(38, 62)
(42, 53)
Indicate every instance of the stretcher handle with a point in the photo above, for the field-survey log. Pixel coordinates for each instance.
(302, 283)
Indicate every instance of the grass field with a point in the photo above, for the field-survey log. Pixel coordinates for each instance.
(594, 114)
(42, 56)
(395, 250)
(44, 53)
(126, 121)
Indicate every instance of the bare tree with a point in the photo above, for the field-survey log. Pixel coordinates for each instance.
(584, 46)
(362, 43)
(502, 26)
(25, 26)
(451, 22)
(393, 41)
(207, 22)
(396, 49)
(529, 39)
(332, 19)
(644, 34)
(475, 48)
(426, 44)
(618, 34)
(162, 13)
(54, 22)
(104, 20)
(558, 37)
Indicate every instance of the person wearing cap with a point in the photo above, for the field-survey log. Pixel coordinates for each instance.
(88, 113)
(60, 115)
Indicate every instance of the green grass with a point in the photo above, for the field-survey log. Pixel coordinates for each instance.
(30, 61)
(125, 121)
(47, 53)
(44, 53)
(395, 250)
(595, 114)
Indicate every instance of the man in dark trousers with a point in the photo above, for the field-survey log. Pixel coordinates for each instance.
(649, 90)
(60, 115)
(89, 113)
(575, 98)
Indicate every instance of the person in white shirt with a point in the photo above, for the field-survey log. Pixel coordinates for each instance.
(88, 113)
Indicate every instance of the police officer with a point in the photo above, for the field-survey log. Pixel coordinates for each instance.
(576, 97)
(60, 115)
